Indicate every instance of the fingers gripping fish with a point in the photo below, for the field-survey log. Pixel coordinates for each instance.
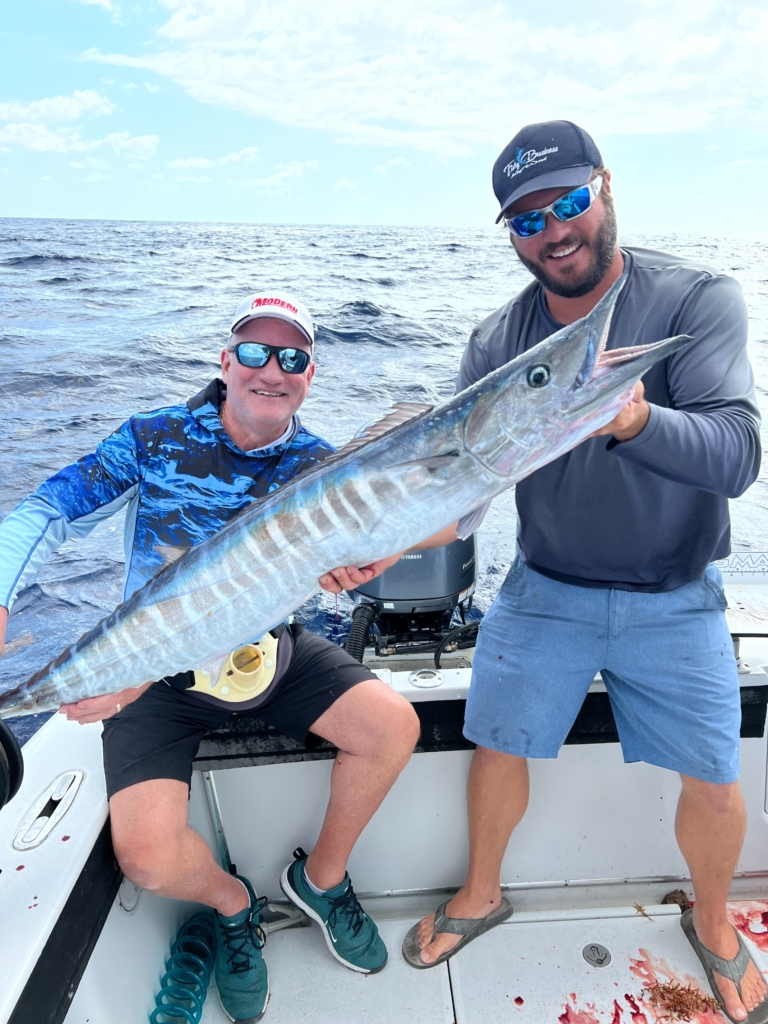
(407, 477)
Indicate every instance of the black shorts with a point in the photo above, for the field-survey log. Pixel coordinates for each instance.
(157, 736)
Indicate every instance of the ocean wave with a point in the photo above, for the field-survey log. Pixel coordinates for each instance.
(38, 259)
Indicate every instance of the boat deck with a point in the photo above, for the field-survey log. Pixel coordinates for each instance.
(596, 844)
(532, 968)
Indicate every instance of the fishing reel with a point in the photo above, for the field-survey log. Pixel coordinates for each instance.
(11, 765)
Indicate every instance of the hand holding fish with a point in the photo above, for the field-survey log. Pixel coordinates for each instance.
(96, 709)
(347, 577)
(631, 418)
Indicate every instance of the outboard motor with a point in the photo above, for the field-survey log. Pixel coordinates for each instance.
(409, 607)
(11, 765)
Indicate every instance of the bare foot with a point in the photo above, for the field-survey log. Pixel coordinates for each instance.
(753, 988)
(463, 905)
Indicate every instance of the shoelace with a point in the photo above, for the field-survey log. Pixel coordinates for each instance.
(238, 936)
(347, 904)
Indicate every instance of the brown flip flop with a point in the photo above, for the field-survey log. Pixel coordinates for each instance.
(468, 927)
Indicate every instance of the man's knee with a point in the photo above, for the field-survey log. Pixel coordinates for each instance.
(719, 797)
(408, 726)
(490, 759)
(145, 862)
(395, 726)
(147, 821)
(372, 719)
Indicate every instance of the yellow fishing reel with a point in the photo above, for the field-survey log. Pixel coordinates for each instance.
(246, 673)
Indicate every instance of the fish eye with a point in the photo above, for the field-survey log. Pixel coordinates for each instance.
(539, 376)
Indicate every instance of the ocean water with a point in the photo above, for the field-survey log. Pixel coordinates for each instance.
(100, 319)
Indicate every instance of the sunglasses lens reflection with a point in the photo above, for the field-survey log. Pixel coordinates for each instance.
(254, 356)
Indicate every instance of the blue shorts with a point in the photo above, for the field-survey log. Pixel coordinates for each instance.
(666, 659)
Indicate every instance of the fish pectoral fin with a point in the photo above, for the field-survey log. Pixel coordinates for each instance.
(169, 553)
(467, 525)
(212, 668)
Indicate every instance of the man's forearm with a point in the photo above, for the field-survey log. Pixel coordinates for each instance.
(717, 451)
(437, 540)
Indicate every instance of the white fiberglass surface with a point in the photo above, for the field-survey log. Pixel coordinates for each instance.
(307, 986)
(535, 971)
(590, 817)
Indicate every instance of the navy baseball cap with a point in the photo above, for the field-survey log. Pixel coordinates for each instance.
(545, 155)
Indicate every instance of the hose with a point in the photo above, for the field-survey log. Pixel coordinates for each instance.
(467, 627)
(184, 985)
(362, 618)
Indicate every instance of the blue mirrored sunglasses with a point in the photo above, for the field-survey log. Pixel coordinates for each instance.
(567, 207)
(254, 355)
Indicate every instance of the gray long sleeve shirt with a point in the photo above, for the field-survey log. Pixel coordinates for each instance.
(647, 514)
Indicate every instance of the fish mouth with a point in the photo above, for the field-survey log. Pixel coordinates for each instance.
(641, 354)
(611, 372)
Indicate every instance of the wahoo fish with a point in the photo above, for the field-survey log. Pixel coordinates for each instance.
(417, 471)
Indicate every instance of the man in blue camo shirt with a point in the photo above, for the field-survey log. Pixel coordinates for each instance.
(181, 473)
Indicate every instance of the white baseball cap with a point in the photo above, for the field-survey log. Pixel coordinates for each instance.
(276, 304)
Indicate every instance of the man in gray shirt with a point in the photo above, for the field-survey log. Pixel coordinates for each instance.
(616, 541)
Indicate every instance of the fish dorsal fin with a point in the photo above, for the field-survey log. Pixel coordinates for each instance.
(400, 413)
(169, 553)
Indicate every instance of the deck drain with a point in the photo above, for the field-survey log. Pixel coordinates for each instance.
(596, 954)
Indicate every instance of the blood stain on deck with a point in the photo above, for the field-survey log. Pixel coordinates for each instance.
(654, 971)
(637, 1015)
(519, 1000)
(751, 919)
(573, 1015)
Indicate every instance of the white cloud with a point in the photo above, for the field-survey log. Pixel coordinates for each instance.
(192, 161)
(399, 162)
(248, 154)
(345, 183)
(41, 139)
(277, 183)
(192, 177)
(151, 88)
(106, 4)
(140, 147)
(448, 75)
(66, 140)
(57, 108)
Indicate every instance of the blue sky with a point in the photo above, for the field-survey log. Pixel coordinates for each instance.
(386, 113)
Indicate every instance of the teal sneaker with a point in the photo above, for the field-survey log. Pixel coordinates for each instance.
(241, 974)
(351, 935)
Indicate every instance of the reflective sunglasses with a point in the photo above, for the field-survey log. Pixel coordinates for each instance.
(254, 355)
(567, 207)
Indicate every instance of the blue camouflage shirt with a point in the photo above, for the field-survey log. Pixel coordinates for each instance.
(177, 473)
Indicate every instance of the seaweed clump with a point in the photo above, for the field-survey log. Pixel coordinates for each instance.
(679, 1002)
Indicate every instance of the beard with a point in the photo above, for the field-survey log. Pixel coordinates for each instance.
(603, 247)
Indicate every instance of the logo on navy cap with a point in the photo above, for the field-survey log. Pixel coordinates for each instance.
(525, 158)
